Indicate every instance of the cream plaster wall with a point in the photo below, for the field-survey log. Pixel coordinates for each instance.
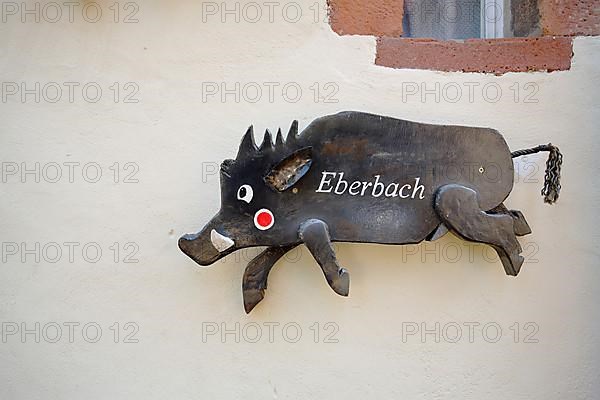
(172, 135)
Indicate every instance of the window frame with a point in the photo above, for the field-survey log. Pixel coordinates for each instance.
(492, 21)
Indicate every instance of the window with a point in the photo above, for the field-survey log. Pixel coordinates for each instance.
(489, 36)
(468, 19)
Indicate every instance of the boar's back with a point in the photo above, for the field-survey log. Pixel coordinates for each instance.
(365, 145)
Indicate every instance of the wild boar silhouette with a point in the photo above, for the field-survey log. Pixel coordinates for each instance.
(358, 177)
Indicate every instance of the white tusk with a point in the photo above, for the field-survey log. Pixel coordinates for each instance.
(219, 241)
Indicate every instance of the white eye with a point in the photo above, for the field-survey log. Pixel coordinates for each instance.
(245, 193)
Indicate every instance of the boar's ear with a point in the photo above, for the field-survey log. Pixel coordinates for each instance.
(289, 170)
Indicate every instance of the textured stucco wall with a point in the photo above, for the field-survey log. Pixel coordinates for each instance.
(172, 135)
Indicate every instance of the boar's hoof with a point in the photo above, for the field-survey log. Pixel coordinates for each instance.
(341, 284)
(252, 297)
(512, 262)
(521, 226)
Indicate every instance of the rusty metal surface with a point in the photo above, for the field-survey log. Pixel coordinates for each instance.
(357, 177)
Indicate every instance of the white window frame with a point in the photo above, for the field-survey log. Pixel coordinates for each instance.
(492, 19)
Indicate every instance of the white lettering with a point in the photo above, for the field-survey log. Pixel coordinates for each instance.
(365, 186)
(354, 186)
(394, 186)
(418, 187)
(340, 181)
(325, 181)
(378, 187)
(407, 186)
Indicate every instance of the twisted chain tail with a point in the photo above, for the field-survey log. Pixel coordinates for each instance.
(551, 188)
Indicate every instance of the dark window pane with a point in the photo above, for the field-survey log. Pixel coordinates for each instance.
(442, 19)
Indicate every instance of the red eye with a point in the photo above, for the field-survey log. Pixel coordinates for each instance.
(263, 219)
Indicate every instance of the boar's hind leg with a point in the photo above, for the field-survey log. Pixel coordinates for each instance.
(254, 282)
(521, 227)
(315, 235)
(458, 207)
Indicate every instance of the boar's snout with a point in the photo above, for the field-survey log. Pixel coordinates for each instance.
(200, 247)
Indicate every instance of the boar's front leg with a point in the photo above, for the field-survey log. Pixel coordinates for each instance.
(314, 234)
(254, 282)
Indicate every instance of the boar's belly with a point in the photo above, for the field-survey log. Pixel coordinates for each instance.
(382, 219)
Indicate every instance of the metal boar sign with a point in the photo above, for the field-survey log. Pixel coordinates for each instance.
(357, 177)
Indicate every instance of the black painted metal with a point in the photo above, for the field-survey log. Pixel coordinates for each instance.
(357, 177)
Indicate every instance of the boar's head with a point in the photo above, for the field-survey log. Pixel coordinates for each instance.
(257, 199)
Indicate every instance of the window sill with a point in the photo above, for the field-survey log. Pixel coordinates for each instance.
(496, 56)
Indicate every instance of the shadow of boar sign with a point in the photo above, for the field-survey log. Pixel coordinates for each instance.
(357, 177)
